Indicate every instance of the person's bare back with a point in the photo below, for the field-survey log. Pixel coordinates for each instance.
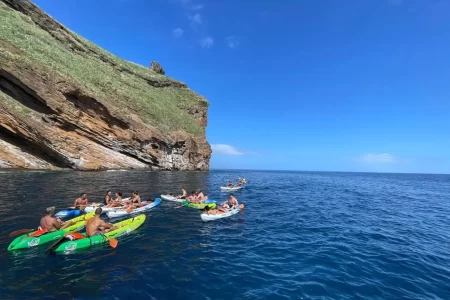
(96, 226)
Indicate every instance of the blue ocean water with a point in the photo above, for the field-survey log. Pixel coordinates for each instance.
(302, 235)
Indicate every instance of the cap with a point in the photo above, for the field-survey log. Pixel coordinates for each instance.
(50, 209)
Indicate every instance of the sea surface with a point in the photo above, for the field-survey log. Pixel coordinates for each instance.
(302, 235)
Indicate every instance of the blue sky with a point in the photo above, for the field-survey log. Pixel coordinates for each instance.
(354, 85)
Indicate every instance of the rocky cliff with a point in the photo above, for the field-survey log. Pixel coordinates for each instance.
(66, 103)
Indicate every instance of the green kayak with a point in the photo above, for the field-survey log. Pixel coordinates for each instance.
(30, 239)
(126, 226)
(211, 204)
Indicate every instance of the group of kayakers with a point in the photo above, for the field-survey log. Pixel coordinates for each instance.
(240, 183)
(96, 225)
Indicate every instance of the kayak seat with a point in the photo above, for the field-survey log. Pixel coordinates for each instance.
(38, 232)
(74, 236)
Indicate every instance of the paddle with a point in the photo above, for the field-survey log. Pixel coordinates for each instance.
(56, 245)
(20, 232)
(112, 241)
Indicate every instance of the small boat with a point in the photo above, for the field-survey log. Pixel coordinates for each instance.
(125, 227)
(171, 198)
(66, 213)
(123, 211)
(227, 189)
(206, 217)
(205, 203)
(37, 237)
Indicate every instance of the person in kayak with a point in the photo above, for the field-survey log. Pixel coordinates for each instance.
(50, 223)
(231, 203)
(193, 198)
(183, 194)
(81, 202)
(96, 226)
(107, 200)
(201, 196)
(135, 200)
(230, 184)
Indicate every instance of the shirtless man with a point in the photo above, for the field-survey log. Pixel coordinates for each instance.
(81, 202)
(96, 226)
(50, 223)
(231, 203)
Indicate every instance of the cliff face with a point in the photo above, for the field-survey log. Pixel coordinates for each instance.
(66, 103)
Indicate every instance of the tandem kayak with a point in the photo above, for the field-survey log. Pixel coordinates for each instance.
(207, 217)
(210, 203)
(225, 188)
(171, 198)
(32, 239)
(123, 211)
(125, 227)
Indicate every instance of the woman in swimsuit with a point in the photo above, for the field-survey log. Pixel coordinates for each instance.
(135, 200)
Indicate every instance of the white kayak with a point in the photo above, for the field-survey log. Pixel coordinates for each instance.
(123, 211)
(171, 198)
(225, 188)
(206, 217)
(94, 206)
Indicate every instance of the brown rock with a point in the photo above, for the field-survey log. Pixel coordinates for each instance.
(156, 67)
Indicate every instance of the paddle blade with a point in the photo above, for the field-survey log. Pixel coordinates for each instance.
(113, 242)
(56, 245)
(20, 231)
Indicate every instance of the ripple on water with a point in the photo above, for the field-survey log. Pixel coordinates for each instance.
(329, 236)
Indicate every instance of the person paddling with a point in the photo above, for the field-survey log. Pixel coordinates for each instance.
(96, 226)
(81, 202)
(50, 223)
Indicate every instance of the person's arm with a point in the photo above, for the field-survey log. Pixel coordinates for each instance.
(75, 203)
(56, 224)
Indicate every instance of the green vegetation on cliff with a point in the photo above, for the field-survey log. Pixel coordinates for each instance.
(133, 89)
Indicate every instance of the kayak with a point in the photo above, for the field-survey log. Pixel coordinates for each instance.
(171, 198)
(125, 227)
(123, 211)
(93, 207)
(225, 188)
(68, 213)
(32, 239)
(210, 203)
(206, 217)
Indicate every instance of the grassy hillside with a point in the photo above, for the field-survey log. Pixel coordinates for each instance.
(157, 99)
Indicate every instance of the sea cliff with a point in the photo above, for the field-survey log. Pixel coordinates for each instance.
(65, 103)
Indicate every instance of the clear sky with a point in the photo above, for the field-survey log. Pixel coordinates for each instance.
(351, 85)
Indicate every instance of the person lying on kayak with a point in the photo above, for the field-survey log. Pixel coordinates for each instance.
(96, 226)
(107, 200)
(183, 194)
(50, 223)
(81, 202)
